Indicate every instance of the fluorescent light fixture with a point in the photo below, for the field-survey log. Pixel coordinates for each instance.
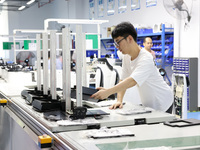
(30, 2)
(110, 11)
(1, 1)
(122, 7)
(22, 7)
(133, 5)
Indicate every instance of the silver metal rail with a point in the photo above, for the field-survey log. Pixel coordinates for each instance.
(30, 124)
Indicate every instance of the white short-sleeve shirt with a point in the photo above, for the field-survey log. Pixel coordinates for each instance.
(153, 90)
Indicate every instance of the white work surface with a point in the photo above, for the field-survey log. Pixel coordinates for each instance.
(13, 83)
(11, 89)
(18, 77)
(114, 119)
(51, 125)
(156, 136)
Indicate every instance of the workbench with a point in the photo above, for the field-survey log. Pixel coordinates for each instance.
(147, 128)
(146, 136)
(112, 120)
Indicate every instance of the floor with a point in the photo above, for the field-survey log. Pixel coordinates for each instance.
(195, 115)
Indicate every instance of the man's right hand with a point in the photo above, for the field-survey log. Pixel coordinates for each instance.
(116, 105)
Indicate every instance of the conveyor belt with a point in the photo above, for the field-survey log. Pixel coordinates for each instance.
(2, 96)
(37, 128)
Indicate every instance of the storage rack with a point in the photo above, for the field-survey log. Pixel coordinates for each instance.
(109, 47)
(163, 45)
(189, 67)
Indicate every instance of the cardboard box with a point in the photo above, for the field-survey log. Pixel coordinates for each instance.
(109, 30)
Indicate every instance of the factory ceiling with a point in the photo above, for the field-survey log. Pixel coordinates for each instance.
(14, 5)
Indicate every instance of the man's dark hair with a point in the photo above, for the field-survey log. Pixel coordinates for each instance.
(145, 39)
(124, 29)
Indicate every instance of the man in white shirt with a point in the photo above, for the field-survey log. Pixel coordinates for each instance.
(148, 45)
(59, 62)
(138, 69)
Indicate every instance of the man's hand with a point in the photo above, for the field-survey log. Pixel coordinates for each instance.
(116, 105)
(101, 94)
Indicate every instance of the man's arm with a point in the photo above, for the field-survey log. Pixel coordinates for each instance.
(119, 103)
(120, 94)
(120, 88)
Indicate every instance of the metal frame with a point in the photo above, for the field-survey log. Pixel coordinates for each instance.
(80, 47)
(79, 64)
(30, 125)
(53, 64)
(45, 63)
(23, 31)
(79, 21)
(66, 68)
(38, 63)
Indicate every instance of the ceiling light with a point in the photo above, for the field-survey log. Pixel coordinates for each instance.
(22, 7)
(122, 7)
(1, 1)
(110, 11)
(30, 2)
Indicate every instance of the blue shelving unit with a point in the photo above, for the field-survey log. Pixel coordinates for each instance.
(109, 47)
(162, 41)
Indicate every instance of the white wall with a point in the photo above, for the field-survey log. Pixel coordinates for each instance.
(3, 31)
(33, 17)
(144, 16)
(4, 23)
(189, 34)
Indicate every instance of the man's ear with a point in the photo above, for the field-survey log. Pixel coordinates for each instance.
(130, 38)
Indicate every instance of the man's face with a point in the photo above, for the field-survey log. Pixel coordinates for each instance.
(119, 43)
(148, 44)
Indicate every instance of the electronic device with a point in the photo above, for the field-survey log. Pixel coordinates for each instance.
(43, 105)
(30, 95)
(55, 115)
(180, 95)
(78, 113)
(87, 92)
(96, 112)
(1, 62)
(26, 61)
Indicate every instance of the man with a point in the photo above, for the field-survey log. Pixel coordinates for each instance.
(26, 58)
(147, 43)
(139, 70)
(58, 61)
